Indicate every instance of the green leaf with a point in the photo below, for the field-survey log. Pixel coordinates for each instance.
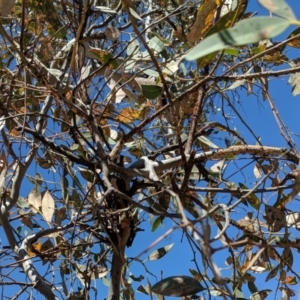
(177, 286)
(252, 287)
(22, 202)
(279, 8)
(156, 44)
(134, 14)
(151, 91)
(247, 31)
(86, 174)
(133, 48)
(252, 199)
(159, 253)
(156, 223)
(207, 142)
(272, 273)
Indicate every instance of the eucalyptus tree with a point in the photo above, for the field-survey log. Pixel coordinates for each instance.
(115, 121)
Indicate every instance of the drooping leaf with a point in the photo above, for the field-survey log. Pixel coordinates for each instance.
(244, 32)
(257, 171)
(48, 206)
(287, 256)
(252, 287)
(272, 273)
(159, 253)
(157, 222)
(177, 286)
(203, 22)
(35, 199)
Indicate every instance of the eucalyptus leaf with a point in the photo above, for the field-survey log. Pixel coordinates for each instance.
(247, 31)
(151, 91)
(177, 286)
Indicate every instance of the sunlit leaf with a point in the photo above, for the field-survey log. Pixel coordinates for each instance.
(247, 31)
(48, 206)
(35, 199)
(128, 115)
(203, 139)
(156, 44)
(257, 171)
(159, 253)
(34, 249)
(291, 280)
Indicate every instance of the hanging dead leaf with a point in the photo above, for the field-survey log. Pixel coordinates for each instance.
(6, 6)
(128, 115)
(34, 249)
(25, 219)
(257, 171)
(35, 199)
(15, 133)
(48, 206)
(204, 21)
